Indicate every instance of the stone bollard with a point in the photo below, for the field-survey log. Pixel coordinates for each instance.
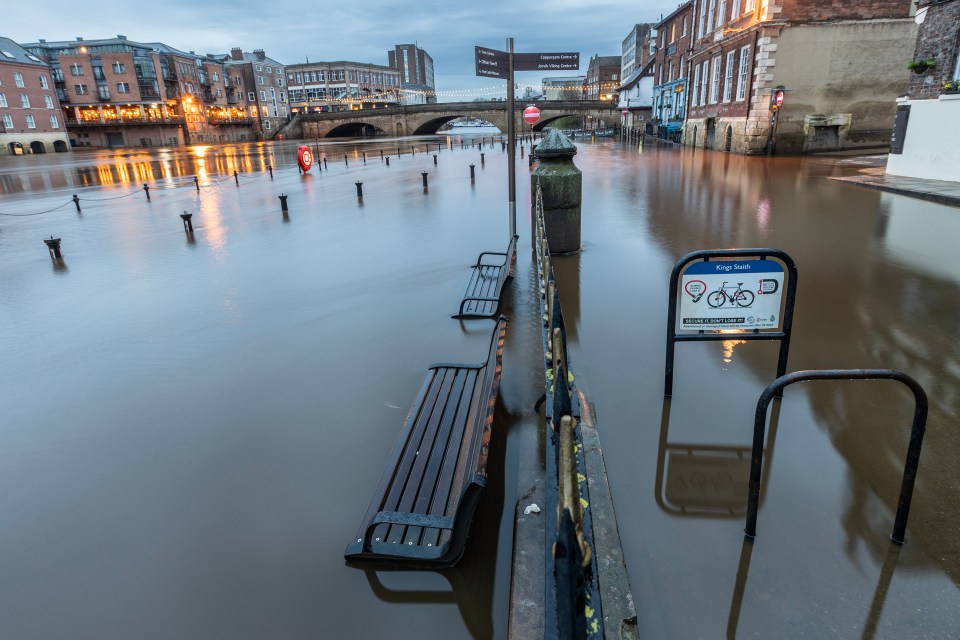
(424, 174)
(388, 160)
(472, 176)
(270, 169)
(562, 185)
(482, 162)
(53, 244)
(76, 202)
(146, 190)
(359, 190)
(283, 202)
(434, 159)
(187, 222)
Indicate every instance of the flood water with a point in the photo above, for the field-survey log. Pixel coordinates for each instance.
(194, 426)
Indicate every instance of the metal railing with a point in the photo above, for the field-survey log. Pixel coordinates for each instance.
(73, 122)
(573, 608)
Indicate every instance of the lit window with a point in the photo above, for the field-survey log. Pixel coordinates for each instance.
(48, 101)
(25, 101)
(18, 79)
(54, 123)
(31, 123)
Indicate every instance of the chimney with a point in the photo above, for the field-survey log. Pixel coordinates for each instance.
(260, 53)
(120, 37)
(42, 41)
(79, 39)
(236, 53)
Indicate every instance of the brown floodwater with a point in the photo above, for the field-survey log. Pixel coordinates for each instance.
(193, 427)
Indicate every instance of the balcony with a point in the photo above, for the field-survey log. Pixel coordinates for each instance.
(224, 120)
(125, 122)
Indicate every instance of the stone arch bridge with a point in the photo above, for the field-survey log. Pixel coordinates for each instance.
(425, 119)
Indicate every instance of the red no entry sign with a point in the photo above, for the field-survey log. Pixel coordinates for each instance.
(531, 115)
(778, 98)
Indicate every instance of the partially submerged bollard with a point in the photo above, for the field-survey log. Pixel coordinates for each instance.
(434, 159)
(472, 175)
(196, 182)
(236, 178)
(76, 202)
(388, 160)
(270, 169)
(359, 190)
(146, 190)
(53, 244)
(482, 161)
(424, 174)
(187, 222)
(561, 183)
(283, 202)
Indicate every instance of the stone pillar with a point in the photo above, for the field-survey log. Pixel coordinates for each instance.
(562, 184)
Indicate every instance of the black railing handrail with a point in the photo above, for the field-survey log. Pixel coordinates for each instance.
(911, 464)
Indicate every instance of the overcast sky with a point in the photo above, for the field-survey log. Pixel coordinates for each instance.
(362, 30)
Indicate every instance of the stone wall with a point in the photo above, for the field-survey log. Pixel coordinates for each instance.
(938, 36)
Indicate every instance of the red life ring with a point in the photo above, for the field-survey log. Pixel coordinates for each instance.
(304, 157)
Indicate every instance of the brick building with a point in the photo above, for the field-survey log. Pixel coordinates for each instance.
(30, 117)
(416, 73)
(119, 93)
(926, 142)
(842, 65)
(674, 36)
(265, 87)
(603, 78)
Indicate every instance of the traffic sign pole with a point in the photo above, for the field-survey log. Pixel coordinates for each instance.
(511, 143)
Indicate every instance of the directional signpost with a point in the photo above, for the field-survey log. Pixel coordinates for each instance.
(491, 63)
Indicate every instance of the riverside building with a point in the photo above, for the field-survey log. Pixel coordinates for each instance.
(30, 117)
(341, 86)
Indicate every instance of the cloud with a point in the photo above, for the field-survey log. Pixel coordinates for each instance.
(359, 31)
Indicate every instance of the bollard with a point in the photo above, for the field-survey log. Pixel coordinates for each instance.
(424, 174)
(359, 190)
(521, 150)
(76, 202)
(364, 157)
(434, 159)
(482, 162)
(187, 221)
(324, 162)
(345, 160)
(236, 178)
(270, 169)
(472, 176)
(381, 154)
(53, 244)
(561, 184)
(283, 202)
(503, 146)
(388, 160)
(146, 190)
(196, 182)
(398, 152)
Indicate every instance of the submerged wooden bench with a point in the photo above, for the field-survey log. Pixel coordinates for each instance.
(421, 510)
(485, 286)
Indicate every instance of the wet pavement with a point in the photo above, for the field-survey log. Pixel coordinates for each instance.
(193, 429)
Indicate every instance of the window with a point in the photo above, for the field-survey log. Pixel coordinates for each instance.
(123, 87)
(728, 77)
(18, 79)
(43, 82)
(7, 121)
(31, 123)
(3, 99)
(8, 55)
(259, 67)
(103, 92)
(751, 5)
(673, 32)
(279, 72)
(266, 124)
(703, 82)
(263, 96)
(237, 81)
(684, 32)
(251, 96)
(696, 83)
(76, 70)
(279, 82)
(216, 77)
(54, 123)
(711, 5)
(680, 69)
(260, 80)
(269, 69)
(721, 13)
(735, 9)
(48, 102)
(273, 93)
(24, 101)
(119, 67)
(715, 80)
(742, 75)
(700, 22)
(80, 89)
(219, 93)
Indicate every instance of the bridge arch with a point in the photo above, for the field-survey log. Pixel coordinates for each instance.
(543, 124)
(433, 125)
(354, 130)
